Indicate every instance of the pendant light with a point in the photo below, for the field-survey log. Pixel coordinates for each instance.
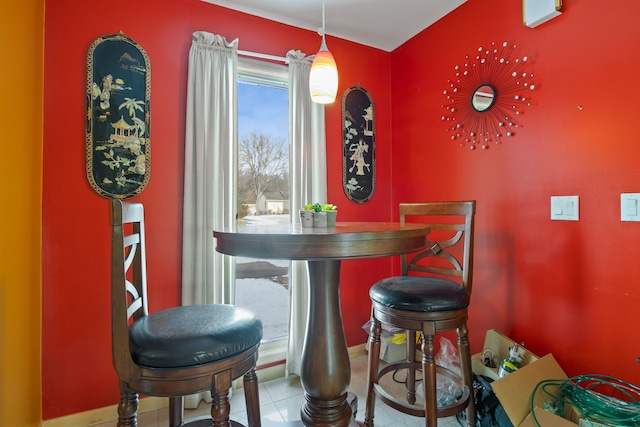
(323, 78)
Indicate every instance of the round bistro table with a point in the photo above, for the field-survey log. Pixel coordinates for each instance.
(325, 370)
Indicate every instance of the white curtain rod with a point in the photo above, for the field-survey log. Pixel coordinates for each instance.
(262, 56)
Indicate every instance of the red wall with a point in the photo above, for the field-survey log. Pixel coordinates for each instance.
(77, 371)
(570, 288)
(562, 287)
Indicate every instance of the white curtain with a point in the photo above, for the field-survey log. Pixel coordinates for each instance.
(210, 170)
(210, 173)
(308, 175)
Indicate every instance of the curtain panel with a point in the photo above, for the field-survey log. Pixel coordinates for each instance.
(210, 172)
(210, 179)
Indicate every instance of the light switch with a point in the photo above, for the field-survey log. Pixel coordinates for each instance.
(568, 208)
(556, 206)
(565, 208)
(630, 206)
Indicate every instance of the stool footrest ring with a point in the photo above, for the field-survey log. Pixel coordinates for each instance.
(417, 410)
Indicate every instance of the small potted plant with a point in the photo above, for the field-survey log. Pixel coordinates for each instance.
(306, 216)
(332, 213)
(318, 215)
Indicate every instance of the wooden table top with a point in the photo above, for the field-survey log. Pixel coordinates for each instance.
(345, 240)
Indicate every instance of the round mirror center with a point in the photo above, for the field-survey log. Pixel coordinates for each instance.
(483, 98)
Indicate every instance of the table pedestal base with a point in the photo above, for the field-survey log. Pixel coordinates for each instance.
(326, 370)
(352, 400)
(298, 423)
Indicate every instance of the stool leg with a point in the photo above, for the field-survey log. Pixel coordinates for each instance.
(128, 407)
(176, 411)
(429, 380)
(372, 376)
(252, 398)
(465, 368)
(411, 373)
(220, 407)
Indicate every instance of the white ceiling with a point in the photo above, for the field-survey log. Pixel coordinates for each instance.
(384, 24)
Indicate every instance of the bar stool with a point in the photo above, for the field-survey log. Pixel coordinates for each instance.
(179, 350)
(433, 299)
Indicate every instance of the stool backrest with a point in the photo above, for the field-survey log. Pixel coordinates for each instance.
(128, 279)
(449, 253)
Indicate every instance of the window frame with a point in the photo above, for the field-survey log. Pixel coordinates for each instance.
(266, 73)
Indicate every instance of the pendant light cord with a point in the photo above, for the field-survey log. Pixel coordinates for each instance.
(323, 20)
(323, 45)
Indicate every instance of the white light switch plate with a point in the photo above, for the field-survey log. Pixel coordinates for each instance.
(565, 208)
(630, 207)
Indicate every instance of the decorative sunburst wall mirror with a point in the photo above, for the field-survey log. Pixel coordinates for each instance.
(486, 96)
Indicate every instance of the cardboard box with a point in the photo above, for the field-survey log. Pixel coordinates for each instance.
(546, 419)
(499, 345)
(514, 390)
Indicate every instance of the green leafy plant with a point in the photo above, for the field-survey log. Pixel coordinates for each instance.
(318, 207)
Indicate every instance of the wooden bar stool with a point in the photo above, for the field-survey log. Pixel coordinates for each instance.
(177, 351)
(431, 296)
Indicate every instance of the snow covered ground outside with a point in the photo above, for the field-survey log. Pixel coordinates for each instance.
(266, 298)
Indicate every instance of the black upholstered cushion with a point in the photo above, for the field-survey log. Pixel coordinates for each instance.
(420, 294)
(193, 335)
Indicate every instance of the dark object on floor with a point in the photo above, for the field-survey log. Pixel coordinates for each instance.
(489, 411)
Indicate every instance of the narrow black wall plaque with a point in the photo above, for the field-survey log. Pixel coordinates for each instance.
(359, 145)
(118, 99)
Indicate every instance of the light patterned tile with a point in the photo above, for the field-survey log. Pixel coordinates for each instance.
(282, 398)
(283, 388)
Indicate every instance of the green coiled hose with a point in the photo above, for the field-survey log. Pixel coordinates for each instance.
(580, 392)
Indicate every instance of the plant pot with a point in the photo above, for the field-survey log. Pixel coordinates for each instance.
(331, 218)
(320, 219)
(306, 218)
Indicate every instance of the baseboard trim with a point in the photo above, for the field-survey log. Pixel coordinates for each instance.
(148, 404)
(357, 350)
(106, 414)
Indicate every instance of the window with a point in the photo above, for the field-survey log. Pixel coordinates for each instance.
(263, 194)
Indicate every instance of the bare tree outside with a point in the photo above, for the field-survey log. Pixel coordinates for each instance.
(264, 165)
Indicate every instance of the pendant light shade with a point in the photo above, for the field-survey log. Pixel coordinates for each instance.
(323, 78)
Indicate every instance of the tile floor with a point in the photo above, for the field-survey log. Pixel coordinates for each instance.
(282, 398)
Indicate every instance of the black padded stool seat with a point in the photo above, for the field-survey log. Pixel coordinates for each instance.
(419, 293)
(193, 335)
